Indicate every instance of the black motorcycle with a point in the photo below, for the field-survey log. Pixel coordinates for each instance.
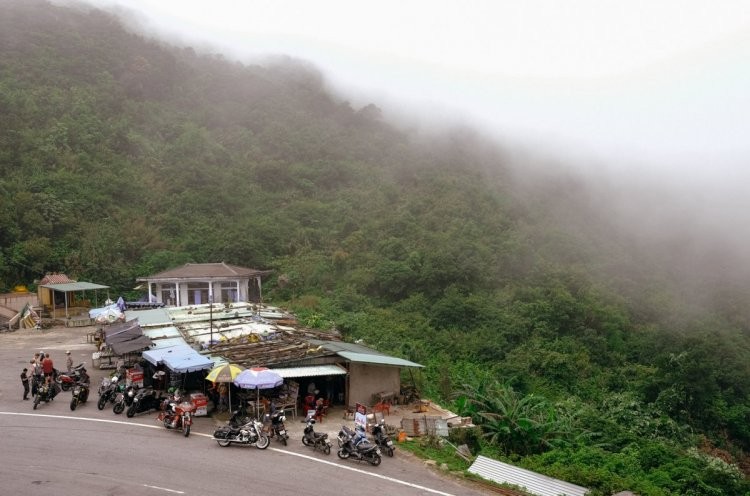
(315, 440)
(44, 392)
(146, 400)
(250, 433)
(363, 451)
(382, 440)
(274, 424)
(80, 394)
(124, 398)
(108, 392)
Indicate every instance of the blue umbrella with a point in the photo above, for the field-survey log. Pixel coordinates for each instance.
(258, 378)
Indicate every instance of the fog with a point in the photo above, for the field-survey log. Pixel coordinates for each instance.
(646, 100)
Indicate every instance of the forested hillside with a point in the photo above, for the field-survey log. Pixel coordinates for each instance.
(580, 355)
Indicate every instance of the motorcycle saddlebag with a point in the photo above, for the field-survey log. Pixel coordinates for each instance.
(222, 432)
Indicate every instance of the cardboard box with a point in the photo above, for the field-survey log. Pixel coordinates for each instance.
(134, 377)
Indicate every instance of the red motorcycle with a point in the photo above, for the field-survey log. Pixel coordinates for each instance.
(177, 415)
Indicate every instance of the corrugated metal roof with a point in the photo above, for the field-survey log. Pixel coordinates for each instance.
(532, 482)
(152, 317)
(310, 371)
(160, 333)
(74, 286)
(336, 346)
(377, 359)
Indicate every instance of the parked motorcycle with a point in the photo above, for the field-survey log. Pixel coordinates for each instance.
(315, 440)
(146, 400)
(178, 416)
(274, 424)
(382, 440)
(80, 394)
(67, 380)
(109, 392)
(124, 398)
(250, 433)
(44, 392)
(364, 451)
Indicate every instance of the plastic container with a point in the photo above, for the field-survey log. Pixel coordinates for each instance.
(401, 436)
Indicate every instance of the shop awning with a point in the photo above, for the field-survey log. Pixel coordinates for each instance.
(180, 358)
(126, 337)
(310, 371)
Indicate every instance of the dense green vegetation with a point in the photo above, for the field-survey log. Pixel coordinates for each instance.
(579, 355)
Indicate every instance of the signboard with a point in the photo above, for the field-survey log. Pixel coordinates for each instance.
(360, 415)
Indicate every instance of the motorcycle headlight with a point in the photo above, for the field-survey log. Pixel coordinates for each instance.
(130, 393)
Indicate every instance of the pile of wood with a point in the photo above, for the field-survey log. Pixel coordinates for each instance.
(283, 349)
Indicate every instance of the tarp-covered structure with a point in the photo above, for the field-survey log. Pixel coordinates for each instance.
(179, 358)
(126, 337)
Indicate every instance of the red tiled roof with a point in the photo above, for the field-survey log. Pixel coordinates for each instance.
(55, 279)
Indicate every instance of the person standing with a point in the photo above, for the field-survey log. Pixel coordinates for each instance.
(25, 382)
(69, 362)
(36, 374)
(47, 366)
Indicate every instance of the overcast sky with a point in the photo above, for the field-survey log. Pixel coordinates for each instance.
(661, 83)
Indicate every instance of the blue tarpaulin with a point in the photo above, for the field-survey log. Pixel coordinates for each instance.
(180, 358)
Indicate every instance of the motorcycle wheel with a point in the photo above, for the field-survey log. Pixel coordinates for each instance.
(223, 442)
(327, 449)
(305, 441)
(73, 404)
(343, 454)
(374, 460)
(167, 422)
(186, 430)
(262, 442)
(36, 401)
(65, 386)
(283, 440)
(131, 412)
(118, 408)
(101, 403)
(389, 452)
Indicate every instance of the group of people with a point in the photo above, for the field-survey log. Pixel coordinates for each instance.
(42, 371)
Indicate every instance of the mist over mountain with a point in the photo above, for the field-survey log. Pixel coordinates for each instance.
(619, 299)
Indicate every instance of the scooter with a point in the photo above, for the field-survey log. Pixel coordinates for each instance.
(364, 451)
(315, 440)
(178, 416)
(274, 423)
(250, 433)
(382, 440)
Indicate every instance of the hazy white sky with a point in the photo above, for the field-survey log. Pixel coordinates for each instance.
(663, 82)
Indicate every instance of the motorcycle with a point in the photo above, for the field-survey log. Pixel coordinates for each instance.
(124, 398)
(250, 433)
(364, 451)
(109, 392)
(382, 440)
(80, 395)
(68, 380)
(145, 400)
(44, 392)
(274, 424)
(177, 416)
(315, 440)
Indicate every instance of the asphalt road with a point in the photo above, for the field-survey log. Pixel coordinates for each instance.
(92, 452)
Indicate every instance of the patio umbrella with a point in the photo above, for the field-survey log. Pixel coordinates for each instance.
(258, 378)
(225, 373)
